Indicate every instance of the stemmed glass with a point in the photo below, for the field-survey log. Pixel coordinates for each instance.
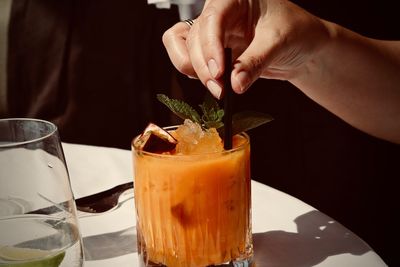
(38, 220)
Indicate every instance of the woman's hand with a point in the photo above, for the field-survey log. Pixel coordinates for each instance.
(352, 76)
(269, 38)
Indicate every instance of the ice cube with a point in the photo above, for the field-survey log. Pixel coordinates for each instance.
(192, 139)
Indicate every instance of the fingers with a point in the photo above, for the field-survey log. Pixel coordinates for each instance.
(199, 63)
(211, 37)
(198, 51)
(207, 51)
(174, 40)
(249, 66)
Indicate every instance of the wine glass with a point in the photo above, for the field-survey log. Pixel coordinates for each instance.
(38, 220)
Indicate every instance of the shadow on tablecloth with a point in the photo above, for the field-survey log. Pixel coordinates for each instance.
(110, 245)
(318, 237)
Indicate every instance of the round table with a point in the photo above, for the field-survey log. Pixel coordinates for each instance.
(286, 231)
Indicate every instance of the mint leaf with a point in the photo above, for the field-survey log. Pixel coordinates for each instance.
(210, 108)
(247, 120)
(180, 108)
(212, 113)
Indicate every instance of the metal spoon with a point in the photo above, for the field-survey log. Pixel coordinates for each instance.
(107, 200)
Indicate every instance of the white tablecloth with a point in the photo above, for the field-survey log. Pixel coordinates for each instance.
(286, 231)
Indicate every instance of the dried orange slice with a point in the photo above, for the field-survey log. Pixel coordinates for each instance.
(156, 140)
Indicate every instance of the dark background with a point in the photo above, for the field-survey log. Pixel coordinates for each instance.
(94, 68)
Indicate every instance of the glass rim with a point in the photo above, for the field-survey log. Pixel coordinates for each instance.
(33, 140)
(223, 152)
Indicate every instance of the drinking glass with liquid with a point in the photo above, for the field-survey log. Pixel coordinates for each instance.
(193, 202)
(38, 220)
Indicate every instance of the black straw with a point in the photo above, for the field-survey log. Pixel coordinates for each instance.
(228, 98)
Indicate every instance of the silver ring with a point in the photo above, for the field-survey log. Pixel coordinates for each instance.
(189, 22)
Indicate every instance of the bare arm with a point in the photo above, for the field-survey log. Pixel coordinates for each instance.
(354, 77)
(358, 79)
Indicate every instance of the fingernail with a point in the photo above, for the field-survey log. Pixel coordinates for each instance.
(214, 88)
(213, 68)
(243, 80)
(192, 77)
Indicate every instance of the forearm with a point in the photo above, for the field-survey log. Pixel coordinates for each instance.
(358, 79)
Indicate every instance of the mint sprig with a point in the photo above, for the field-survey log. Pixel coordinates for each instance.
(212, 115)
(247, 120)
(180, 108)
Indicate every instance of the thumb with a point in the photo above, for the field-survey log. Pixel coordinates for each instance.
(249, 66)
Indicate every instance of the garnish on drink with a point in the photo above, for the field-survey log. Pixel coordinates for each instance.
(155, 139)
(197, 128)
(193, 199)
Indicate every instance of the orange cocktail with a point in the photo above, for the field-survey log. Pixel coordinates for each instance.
(194, 209)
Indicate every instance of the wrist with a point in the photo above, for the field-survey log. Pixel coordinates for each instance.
(316, 64)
